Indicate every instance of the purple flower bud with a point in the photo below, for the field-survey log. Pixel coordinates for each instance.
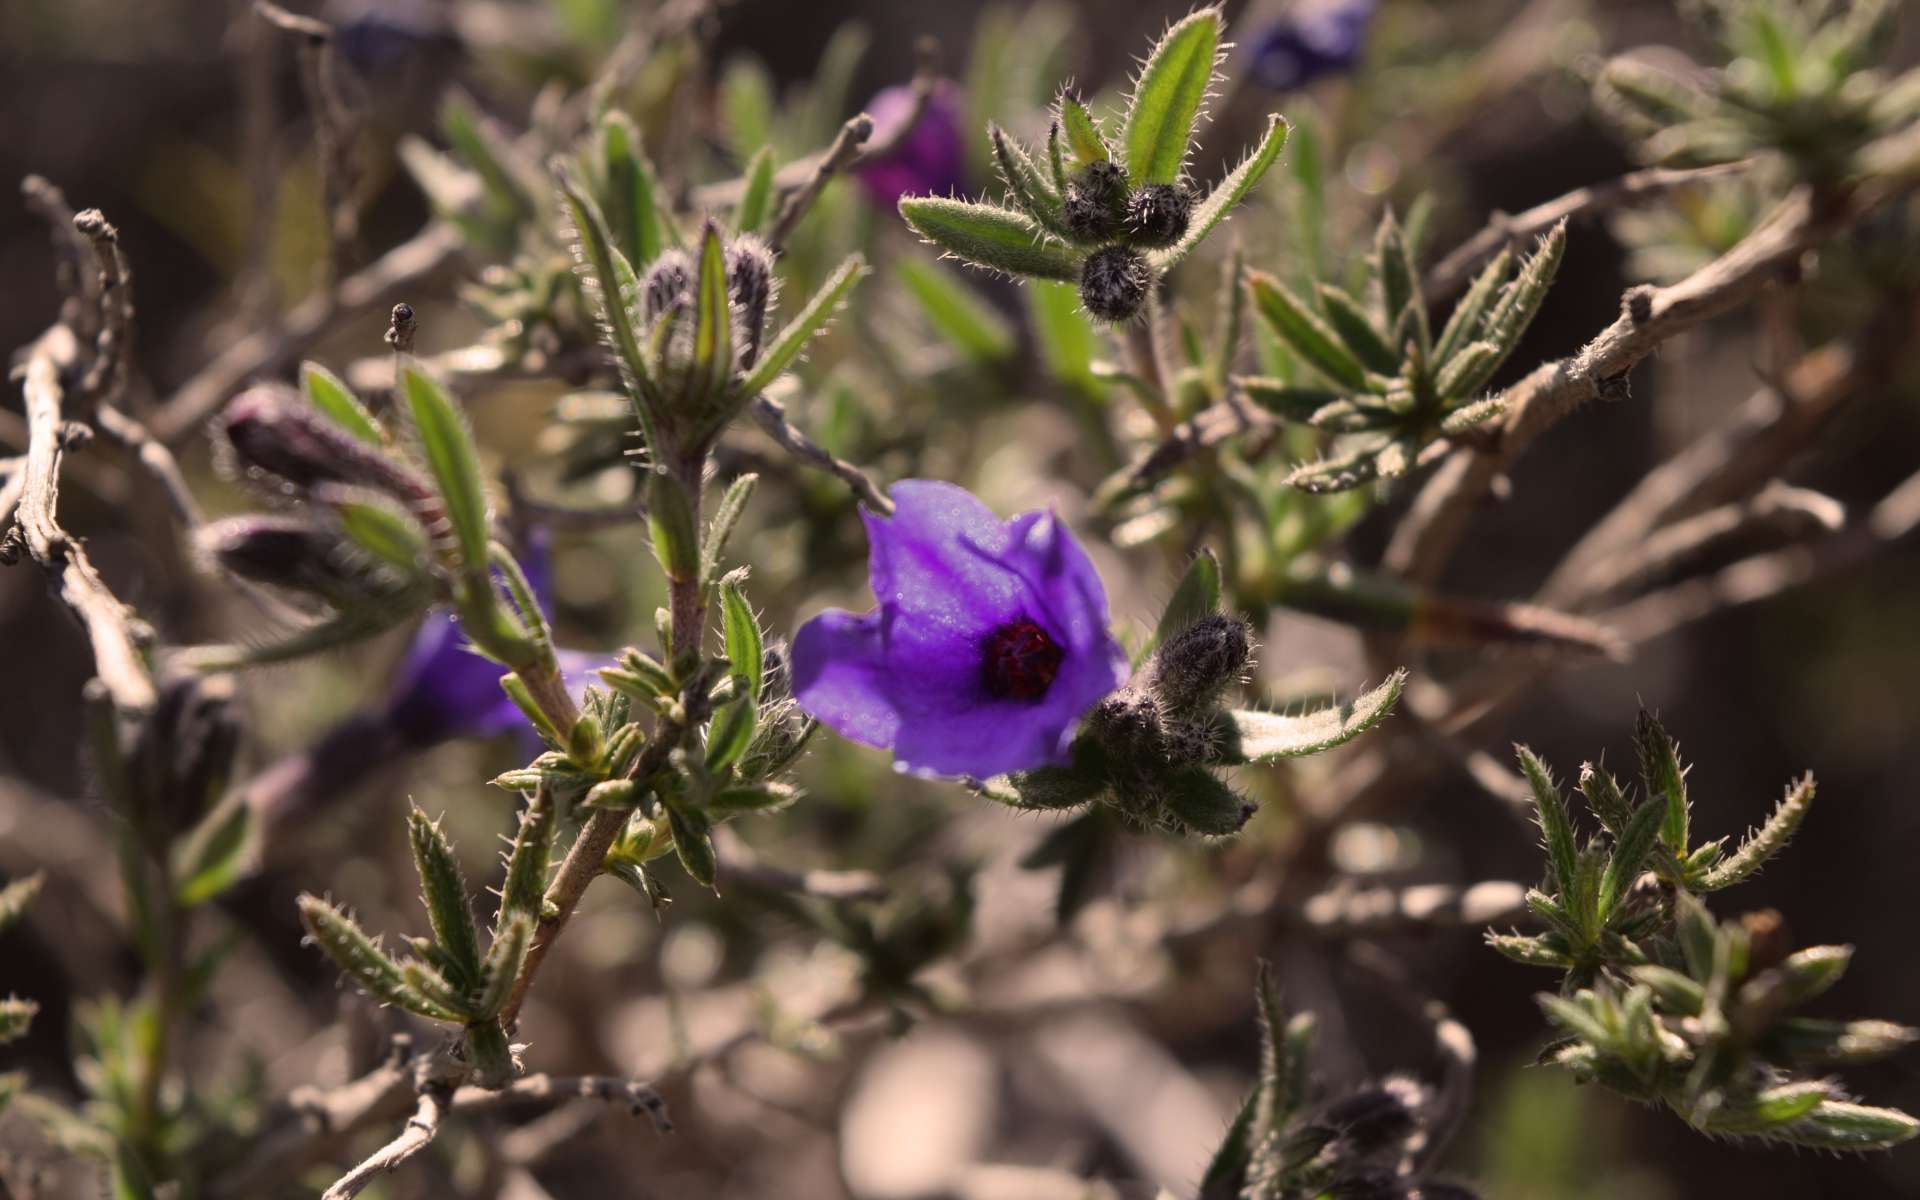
(1316, 38)
(750, 287)
(1114, 283)
(273, 430)
(988, 645)
(930, 159)
(1195, 665)
(299, 556)
(669, 284)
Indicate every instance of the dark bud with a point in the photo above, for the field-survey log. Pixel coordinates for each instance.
(274, 431)
(1194, 666)
(1114, 283)
(1378, 1118)
(297, 556)
(1128, 726)
(1095, 206)
(1371, 1185)
(1768, 943)
(182, 754)
(750, 286)
(1157, 214)
(669, 284)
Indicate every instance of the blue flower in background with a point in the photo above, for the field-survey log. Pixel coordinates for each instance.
(988, 645)
(445, 690)
(930, 159)
(1315, 38)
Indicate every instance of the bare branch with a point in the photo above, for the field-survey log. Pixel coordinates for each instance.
(772, 418)
(840, 155)
(419, 1132)
(1452, 273)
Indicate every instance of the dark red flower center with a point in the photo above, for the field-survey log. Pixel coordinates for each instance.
(1018, 661)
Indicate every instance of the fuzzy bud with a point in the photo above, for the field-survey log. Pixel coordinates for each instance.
(1378, 1118)
(297, 556)
(1194, 666)
(1096, 202)
(274, 431)
(1128, 726)
(182, 754)
(1114, 282)
(668, 285)
(1157, 214)
(750, 286)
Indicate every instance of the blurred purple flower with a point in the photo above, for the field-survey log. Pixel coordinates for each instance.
(989, 643)
(1315, 38)
(445, 690)
(930, 159)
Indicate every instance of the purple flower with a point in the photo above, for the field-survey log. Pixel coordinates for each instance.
(989, 643)
(931, 158)
(444, 689)
(1315, 39)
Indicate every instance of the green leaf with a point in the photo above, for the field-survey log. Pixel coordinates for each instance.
(1283, 399)
(1837, 1125)
(1054, 787)
(361, 959)
(1517, 306)
(1238, 183)
(1197, 595)
(1664, 778)
(713, 362)
(1630, 852)
(1027, 185)
(1556, 827)
(786, 347)
(693, 842)
(1259, 737)
(1399, 281)
(444, 889)
(448, 447)
(1468, 371)
(676, 543)
(1530, 951)
(523, 891)
(213, 855)
(1603, 796)
(1303, 330)
(741, 632)
(606, 277)
(757, 198)
(1760, 845)
(730, 733)
(1227, 1169)
(1167, 98)
(1065, 336)
(1356, 330)
(380, 527)
(502, 968)
(956, 313)
(327, 393)
(1339, 472)
(634, 219)
(766, 796)
(15, 1016)
(1464, 325)
(1083, 134)
(725, 517)
(997, 239)
(513, 187)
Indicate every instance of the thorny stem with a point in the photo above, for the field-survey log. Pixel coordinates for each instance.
(419, 1132)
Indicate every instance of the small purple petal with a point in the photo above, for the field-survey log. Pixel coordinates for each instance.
(1316, 38)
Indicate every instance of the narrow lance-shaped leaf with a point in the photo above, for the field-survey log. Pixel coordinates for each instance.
(1664, 778)
(741, 634)
(1339, 472)
(1257, 737)
(15, 897)
(502, 967)
(730, 733)
(605, 274)
(757, 197)
(713, 319)
(733, 504)
(997, 239)
(1357, 330)
(1303, 330)
(630, 190)
(693, 842)
(444, 890)
(523, 890)
(1556, 827)
(327, 393)
(1763, 843)
(1516, 308)
(1630, 851)
(214, 854)
(1027, 185)
(1238, 183)
(786, 347)
(1399, 282)
(1464, 325)
(448, 448)
(1167, 98)
(379, 526)
(362, 960)
(1083, 136)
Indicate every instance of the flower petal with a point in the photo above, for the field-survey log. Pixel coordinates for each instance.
(925, 559)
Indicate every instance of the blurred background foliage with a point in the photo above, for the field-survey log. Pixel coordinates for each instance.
(184, 120)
